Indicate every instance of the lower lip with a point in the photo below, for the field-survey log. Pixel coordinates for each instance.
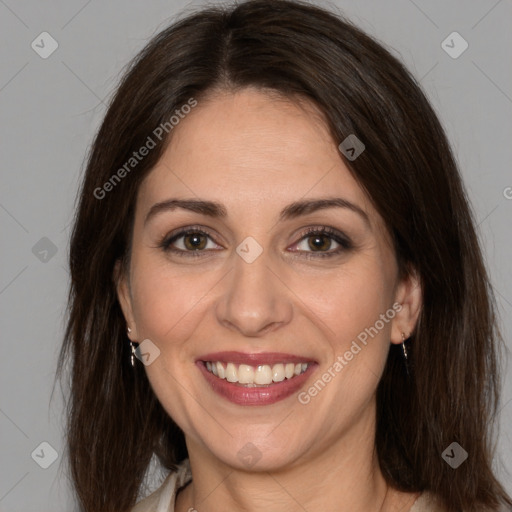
(242, 395)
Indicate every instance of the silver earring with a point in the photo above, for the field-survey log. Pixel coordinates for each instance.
(132, 347)
(406, 355)
(132, 359)
(403, 346)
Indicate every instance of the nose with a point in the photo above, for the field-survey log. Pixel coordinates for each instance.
(255, 299)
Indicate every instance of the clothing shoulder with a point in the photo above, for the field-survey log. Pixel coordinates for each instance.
(150, 503)
(427, 502)
(163, 498)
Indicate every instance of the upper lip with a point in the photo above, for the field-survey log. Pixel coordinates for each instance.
(254, 359)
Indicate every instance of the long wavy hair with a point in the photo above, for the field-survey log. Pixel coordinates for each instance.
(114, 421)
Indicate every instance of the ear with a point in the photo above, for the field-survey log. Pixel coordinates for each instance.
(409, 296)
(121, 280)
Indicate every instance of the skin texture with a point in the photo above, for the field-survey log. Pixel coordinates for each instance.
(256, 153)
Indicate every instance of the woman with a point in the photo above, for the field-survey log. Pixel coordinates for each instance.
(276, 283)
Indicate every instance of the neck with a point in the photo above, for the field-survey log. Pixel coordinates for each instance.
(345, 476)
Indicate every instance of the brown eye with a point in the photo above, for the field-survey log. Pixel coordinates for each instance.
(317, 242)
(195, 241)
(189, 242)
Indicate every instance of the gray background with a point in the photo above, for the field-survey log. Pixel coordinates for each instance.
(50, 109)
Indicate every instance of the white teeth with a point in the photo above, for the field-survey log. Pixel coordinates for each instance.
(261, 375)
(231, 373)
(278, 372)
(220, 371)
(245, 374)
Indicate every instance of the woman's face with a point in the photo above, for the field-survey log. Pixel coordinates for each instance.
(258, 294)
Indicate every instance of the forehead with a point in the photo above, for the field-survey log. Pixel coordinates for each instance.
(253, 151)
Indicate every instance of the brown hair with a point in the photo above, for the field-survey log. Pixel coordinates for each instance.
(115, 422)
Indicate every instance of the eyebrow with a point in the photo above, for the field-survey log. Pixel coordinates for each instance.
(217, 210)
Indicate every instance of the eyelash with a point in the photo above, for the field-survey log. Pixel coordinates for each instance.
(345, 244)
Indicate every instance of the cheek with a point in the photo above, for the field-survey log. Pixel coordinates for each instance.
(354, 306)
(168, 306)
(167, 303)
(350, 300)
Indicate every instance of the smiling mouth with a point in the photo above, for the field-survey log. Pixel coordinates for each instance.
(262, 375)
(255, 379)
